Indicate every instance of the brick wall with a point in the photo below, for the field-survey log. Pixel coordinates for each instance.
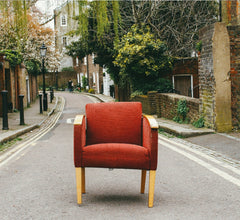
(148, 102)
(206, 77)
(63, 77)
(234, 35)
(187, 66)
(167, 106)
(214, 83)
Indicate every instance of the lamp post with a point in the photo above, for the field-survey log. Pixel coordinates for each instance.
(43, 50)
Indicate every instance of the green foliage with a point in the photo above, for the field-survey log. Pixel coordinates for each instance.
(68, 69)
(182, 111)
(14, 57)
(199, 46)
(199, 123)
(33, 67)
(99, 40)
(104, 13)
(85, 82)
(136, 93)
(141, 59)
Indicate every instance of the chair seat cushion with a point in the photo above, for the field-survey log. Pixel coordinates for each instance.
(116, 155)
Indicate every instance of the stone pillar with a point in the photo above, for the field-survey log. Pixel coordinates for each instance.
(214, 82)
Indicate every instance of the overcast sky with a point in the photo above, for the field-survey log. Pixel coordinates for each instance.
(47, 7)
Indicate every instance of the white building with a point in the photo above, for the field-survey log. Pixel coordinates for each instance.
(107, 84)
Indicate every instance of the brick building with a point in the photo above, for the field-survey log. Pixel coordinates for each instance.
(185, 77)
(17, 82)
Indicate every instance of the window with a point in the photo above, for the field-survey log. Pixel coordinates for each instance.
(64, 41)
(77, 61)
(63, 20)
(93, 56)
(94, 78)
(85, 61)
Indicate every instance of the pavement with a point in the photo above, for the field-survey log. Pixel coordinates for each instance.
(228, 144)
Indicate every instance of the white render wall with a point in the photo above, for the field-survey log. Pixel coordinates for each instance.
(107, 82)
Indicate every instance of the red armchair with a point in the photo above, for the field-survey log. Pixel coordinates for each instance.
(115, 135)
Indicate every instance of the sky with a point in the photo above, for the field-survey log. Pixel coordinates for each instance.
(47, 7)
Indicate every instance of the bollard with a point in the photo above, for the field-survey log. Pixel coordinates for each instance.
(21, 109)
(40, 103)
(45, 102)
(51, 94)
(5, 109)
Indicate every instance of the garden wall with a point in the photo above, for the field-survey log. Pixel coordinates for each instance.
(148, 102)
(165, 105)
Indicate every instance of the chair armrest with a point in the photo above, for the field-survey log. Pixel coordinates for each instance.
(78, 120)
(150, 139)
(79, 139)
(152, 121)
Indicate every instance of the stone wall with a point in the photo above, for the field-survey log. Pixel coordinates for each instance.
(234, 35)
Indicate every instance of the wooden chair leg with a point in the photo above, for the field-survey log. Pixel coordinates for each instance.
(79, 184)
(143, 181)
(83, 181)
(152, 175)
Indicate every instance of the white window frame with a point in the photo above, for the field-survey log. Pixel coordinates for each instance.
(63, 20)
(85, 61)
(64, 41)
(94, 78)
(179, 75)
(77, 63)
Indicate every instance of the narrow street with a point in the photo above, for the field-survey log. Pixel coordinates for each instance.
(39, 182)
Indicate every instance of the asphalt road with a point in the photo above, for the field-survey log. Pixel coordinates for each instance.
(191, 183)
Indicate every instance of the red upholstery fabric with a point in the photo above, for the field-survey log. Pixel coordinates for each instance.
(115, 136)
(114, 122)
(150, 141)
(115, 155)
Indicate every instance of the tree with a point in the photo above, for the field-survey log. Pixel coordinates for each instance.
(98, 33)
(142, 59)
(175, 22)
(22, 35)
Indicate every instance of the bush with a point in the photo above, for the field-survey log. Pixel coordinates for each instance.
(199, 123)
(182, 111)
(142, 60)
(92, 91)
(68, 69)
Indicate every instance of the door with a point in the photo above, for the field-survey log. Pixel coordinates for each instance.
(183, 85)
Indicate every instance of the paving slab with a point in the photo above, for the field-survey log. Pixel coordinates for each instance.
(184, 130)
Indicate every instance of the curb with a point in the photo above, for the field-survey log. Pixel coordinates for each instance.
(89, 94)
(186, 133)
(15, 134)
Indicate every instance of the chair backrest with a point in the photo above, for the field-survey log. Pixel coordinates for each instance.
(114, 122)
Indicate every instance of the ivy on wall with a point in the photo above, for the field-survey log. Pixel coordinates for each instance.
(14, 57)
